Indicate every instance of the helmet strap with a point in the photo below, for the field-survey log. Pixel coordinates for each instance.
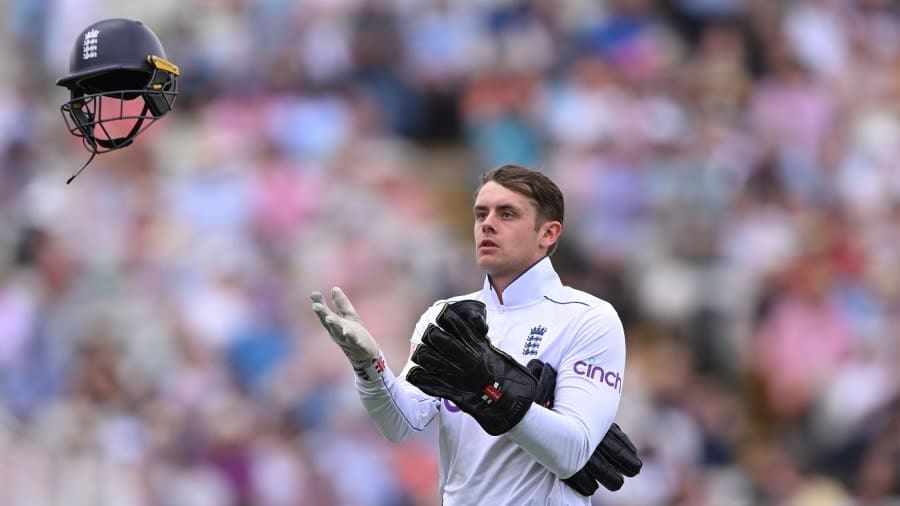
(73, 176)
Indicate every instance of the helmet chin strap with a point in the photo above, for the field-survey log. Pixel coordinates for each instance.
(73, 176)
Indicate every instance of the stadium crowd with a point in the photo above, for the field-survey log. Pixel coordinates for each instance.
(732, 173)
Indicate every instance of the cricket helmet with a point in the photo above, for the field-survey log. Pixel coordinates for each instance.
(114, 63)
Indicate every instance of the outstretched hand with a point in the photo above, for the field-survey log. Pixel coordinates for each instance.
(346, 329)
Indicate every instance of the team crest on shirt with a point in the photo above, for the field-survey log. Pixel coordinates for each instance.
(533, 341)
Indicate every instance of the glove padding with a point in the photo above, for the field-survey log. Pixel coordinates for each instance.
(613, 459)
(456, 361)
(347, 330)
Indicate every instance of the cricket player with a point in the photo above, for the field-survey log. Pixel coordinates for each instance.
(524, 376)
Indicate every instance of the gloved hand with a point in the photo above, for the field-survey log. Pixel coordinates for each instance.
(347, 330)
(456, 361)
(613, 459)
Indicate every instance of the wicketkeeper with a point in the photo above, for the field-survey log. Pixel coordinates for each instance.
(524, 377)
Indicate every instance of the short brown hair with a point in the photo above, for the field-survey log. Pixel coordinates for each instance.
(540, 189)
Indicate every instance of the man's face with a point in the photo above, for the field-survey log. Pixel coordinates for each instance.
(506, 242)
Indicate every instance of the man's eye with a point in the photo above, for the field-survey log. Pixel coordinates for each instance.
(507, 214)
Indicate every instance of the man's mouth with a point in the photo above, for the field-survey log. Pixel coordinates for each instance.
(487, 244)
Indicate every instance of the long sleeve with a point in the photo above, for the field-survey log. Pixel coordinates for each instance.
(397, 408)
(559, 443)
(588, 390)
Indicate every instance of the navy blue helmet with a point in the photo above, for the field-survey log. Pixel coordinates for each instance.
(115, 62)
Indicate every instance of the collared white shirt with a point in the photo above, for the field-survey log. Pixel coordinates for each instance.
(580, 335)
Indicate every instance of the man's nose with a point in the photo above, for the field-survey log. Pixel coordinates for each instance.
(487, 225)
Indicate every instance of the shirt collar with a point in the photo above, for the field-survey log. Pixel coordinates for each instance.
(531, 286)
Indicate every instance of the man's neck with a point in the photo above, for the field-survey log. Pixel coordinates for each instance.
(499, 286)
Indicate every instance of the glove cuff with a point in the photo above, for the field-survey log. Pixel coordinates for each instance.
(370, 370)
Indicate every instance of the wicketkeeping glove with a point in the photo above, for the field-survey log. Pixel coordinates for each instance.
(456, 361)
(347, 330)
(613, 459)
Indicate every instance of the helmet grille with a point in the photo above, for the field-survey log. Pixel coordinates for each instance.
(97, 117)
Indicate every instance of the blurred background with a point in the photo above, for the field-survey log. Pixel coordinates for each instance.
(732, 174)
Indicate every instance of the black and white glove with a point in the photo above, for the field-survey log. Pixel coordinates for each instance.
(456, 361)
(347, 330)
(613, 459)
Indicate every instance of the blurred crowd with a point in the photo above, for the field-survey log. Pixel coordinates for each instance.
(732, 174)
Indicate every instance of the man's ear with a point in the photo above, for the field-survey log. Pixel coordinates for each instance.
(550, 232)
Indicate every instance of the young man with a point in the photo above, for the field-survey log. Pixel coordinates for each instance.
(497, 446)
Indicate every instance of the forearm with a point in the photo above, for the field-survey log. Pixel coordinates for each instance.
(561, 444)
(586, 397)
(397, 408)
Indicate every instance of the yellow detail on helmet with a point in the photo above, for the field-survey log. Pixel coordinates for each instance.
(163, 64)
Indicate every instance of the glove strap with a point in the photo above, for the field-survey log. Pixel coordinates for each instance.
(492, 393)
(370, 370)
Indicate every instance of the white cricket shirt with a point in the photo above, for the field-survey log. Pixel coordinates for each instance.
(580, 335)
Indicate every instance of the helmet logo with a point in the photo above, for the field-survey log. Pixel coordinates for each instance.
(89, 48)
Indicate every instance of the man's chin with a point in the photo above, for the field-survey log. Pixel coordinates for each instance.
(485, 262)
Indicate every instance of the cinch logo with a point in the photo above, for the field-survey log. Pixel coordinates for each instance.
(588, 369)
(449, 406)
